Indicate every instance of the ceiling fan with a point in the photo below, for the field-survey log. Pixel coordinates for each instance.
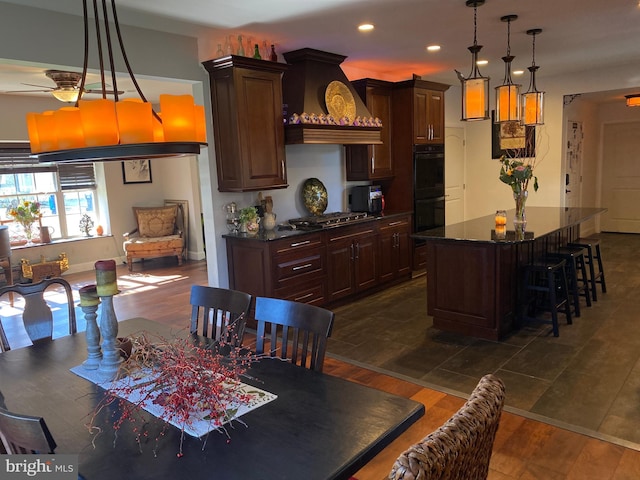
(67, 89)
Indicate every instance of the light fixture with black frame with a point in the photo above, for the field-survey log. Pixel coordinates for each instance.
(508, 94)
(475, 88)
(533, 99)
(118, 129)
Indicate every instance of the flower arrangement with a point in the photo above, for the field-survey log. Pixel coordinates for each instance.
(249, 220)
(517, 173)
(187, 382)
(26, 214)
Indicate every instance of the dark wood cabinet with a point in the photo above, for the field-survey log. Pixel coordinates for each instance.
(373, 162)
(292, 268)
(351, 260)
(246, 97)
(428, 116)
(395, 248)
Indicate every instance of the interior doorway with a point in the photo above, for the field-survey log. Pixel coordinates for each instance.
(620, 180)
(573, 167)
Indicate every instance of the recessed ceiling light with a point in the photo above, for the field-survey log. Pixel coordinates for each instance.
(482, 62)
(518, 72)
(433, 48)
(365, 27)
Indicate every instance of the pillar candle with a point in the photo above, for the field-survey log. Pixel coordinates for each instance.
(106, 278)
(89, 296)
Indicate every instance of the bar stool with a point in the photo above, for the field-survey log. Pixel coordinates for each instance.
(576, 272)
(592, 245)
(545, 288)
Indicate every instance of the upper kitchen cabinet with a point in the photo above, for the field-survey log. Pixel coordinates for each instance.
(373, 162)
(426, 100)
(248, 126)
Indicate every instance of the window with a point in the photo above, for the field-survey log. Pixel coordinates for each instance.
(65, 193)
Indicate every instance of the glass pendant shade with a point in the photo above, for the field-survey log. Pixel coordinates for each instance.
(66, 95)
(135, 121)
(533, 99)
(475, 99)
(508, 94)
(99, 122)
(69, 128)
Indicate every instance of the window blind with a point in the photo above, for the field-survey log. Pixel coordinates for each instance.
(74, 176)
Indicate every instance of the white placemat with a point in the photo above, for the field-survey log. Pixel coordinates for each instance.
(199, 424)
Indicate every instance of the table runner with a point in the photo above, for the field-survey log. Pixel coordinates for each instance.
(199, 425)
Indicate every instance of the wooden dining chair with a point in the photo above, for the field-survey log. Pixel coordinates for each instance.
(297, 331)
(221, 312)
(461, 448)
(22, 434)
(37, 316)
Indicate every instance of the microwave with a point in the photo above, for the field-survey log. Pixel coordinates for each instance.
(366, 198)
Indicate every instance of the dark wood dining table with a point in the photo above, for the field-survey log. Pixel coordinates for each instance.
(319, 427)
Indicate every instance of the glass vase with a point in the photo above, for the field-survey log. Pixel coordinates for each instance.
(521, 200)
(28, 233)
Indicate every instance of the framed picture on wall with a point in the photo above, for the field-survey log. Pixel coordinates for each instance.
(512, 139)
(136, 171)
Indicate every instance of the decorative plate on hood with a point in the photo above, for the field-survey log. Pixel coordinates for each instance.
(339, 101)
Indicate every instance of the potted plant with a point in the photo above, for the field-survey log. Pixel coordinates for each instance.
(249, 220)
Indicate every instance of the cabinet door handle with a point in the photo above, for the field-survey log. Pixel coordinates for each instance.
(300, 267)
(393, 224)
(297, 299)
(352, 254)
(373, 163)
(283, 169)
(357, 251)
(297, 244)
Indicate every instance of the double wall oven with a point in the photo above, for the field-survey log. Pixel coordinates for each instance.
(428, 178)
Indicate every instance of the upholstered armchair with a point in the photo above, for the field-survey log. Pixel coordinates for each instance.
(158, 234)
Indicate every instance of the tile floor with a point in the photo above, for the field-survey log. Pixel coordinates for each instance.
(587, 379)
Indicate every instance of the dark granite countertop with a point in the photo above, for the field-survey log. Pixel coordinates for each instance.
(280, 232)
(541, 221)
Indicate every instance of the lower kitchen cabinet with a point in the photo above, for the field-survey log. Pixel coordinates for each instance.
(322, 267)
(352, 260)
(395, 248)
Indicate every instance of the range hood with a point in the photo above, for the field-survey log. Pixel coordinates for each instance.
(304, 85)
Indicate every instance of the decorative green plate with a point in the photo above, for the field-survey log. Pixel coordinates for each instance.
(314, 196)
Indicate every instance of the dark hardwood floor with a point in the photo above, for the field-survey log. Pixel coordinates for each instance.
(525, 449)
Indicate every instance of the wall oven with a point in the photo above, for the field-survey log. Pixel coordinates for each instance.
(428, 177)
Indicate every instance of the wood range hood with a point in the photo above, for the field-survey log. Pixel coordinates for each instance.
(304, 84)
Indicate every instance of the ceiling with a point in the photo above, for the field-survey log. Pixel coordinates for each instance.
(576, 36)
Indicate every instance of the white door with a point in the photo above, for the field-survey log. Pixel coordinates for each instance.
(454, 175)
(573, 159)
(621, 178)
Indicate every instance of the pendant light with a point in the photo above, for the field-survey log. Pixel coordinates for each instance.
(532, 99)
(475, 88)
(633, 100)
(118, 129)
(508, 94)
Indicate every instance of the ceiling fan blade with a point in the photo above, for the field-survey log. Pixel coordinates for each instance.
(27, 91)
(108, 92)
(41, 86)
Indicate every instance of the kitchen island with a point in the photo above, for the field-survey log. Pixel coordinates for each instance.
(473, 267)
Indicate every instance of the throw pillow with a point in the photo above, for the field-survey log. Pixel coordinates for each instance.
(156, 221)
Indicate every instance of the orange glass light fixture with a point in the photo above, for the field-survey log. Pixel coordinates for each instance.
(508, 94)
(475, 88)
(533, 99)
(118, 129)
(633, 100)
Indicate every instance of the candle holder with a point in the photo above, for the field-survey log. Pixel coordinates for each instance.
(92, 334)
(111, 358)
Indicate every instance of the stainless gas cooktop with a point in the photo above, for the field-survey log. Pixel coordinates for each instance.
(316, 222)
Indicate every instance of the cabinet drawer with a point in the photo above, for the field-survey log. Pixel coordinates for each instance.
(311, 292)
(295, 265)
(297, 243)
(393, 224)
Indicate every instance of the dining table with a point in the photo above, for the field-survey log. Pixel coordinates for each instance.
(319, 427)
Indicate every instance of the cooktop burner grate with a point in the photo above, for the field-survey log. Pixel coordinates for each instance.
(314, 222)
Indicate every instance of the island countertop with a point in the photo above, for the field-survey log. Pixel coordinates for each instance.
(540, 222)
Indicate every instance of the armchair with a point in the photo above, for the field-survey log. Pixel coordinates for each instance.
(158, 234)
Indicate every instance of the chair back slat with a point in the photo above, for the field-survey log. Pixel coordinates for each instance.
(37, 315)
(298, 331)
(25, 433)
(221, 312)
